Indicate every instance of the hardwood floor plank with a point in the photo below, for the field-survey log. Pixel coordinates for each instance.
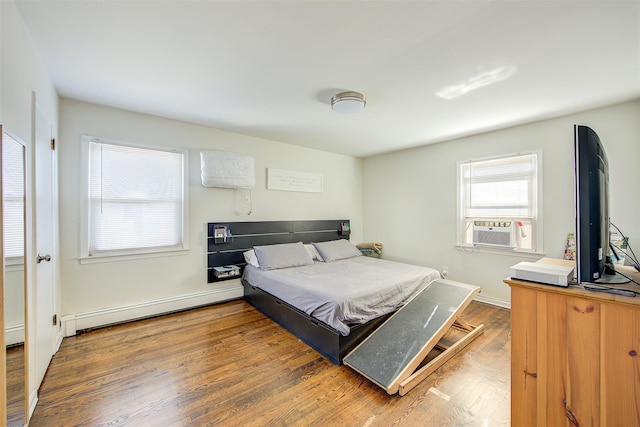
(15, 386)
(229, 365)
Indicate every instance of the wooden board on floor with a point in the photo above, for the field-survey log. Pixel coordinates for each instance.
(390, 356)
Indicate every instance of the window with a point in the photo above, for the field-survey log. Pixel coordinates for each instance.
(136, 199)
(498, 202)
(13, 199)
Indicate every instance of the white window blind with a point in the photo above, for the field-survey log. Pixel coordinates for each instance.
(136, 199)
(501, 187)
(13, 196)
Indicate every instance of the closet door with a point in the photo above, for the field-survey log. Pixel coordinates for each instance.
(44, 246)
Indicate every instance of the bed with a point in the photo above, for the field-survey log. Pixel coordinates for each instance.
(330, 303)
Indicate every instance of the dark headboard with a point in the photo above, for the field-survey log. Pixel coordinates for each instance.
(242, 236)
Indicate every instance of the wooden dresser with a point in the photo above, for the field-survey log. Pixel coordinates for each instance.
(575, 356)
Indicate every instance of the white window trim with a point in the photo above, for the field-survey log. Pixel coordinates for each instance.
(470, 248)
(112, 256)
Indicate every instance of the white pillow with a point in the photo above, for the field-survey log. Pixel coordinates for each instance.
(250, 257)
(337, 249)
(313, 252)
(271, 257)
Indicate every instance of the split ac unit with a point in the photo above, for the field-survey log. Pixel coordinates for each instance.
(493, 233)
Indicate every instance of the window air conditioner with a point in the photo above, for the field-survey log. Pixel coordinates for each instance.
(493, 233)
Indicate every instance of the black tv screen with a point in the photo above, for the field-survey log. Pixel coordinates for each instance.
(593, 263)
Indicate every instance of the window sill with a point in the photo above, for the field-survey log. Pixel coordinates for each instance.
(14, 266)
(96, 259)
(16, 261)
(501, 251)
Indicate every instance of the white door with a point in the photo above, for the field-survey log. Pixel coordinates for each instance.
(44, 223)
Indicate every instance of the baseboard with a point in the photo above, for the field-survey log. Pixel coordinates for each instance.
(71, 323)
(59, 336)
(14, 334)
(33, 401)
(493, 301)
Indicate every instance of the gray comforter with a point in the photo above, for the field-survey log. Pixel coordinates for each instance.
(345, 292)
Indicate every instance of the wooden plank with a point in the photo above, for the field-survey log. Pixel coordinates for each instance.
(394, 351)
(583, 375)
(438, 361)
(523, 356)
(620, 376)
(551, 358)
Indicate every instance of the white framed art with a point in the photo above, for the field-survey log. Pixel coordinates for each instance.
(286, 180)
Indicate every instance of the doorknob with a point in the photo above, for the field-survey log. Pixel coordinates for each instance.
(41, 258)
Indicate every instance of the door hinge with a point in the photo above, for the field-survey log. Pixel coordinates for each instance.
(55, 320)
(53, 144)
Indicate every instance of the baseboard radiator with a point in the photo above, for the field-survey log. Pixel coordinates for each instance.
(14, 334)
(73, 323)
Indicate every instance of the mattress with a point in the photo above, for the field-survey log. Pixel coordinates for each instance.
(345, 292)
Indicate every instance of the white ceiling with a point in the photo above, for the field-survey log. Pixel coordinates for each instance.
(269, 68)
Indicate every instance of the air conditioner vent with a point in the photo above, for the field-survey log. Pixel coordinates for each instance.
(493, 233)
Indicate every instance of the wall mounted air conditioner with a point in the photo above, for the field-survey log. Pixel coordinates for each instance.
(493, 233)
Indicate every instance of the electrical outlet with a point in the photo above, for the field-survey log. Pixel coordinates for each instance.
(445, 271)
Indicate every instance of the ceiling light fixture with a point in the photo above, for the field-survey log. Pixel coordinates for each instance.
(348, 102)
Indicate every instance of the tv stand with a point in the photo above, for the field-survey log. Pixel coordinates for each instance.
(574, 355)
(611, 277)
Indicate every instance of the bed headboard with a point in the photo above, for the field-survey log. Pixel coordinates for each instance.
(226, 241)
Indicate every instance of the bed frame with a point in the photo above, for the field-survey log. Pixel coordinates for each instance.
(242, 236)
(321, 337)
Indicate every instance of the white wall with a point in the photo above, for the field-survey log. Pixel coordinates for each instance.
(410, 196)
(21, 75)
(90, 289)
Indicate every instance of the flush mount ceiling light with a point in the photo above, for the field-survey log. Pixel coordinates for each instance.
(348, 102)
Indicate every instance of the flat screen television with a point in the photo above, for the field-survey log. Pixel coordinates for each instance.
(593, 260)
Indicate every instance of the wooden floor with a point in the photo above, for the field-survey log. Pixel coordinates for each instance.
(15, 386)
(229, 365)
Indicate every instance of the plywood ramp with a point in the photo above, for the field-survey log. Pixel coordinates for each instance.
(391, 356)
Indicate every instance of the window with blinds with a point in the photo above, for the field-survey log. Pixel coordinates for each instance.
(136, 199)
(13, 199)
(499, 202)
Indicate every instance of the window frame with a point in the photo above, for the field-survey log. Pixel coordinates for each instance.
(85, 201)
(463, 221)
